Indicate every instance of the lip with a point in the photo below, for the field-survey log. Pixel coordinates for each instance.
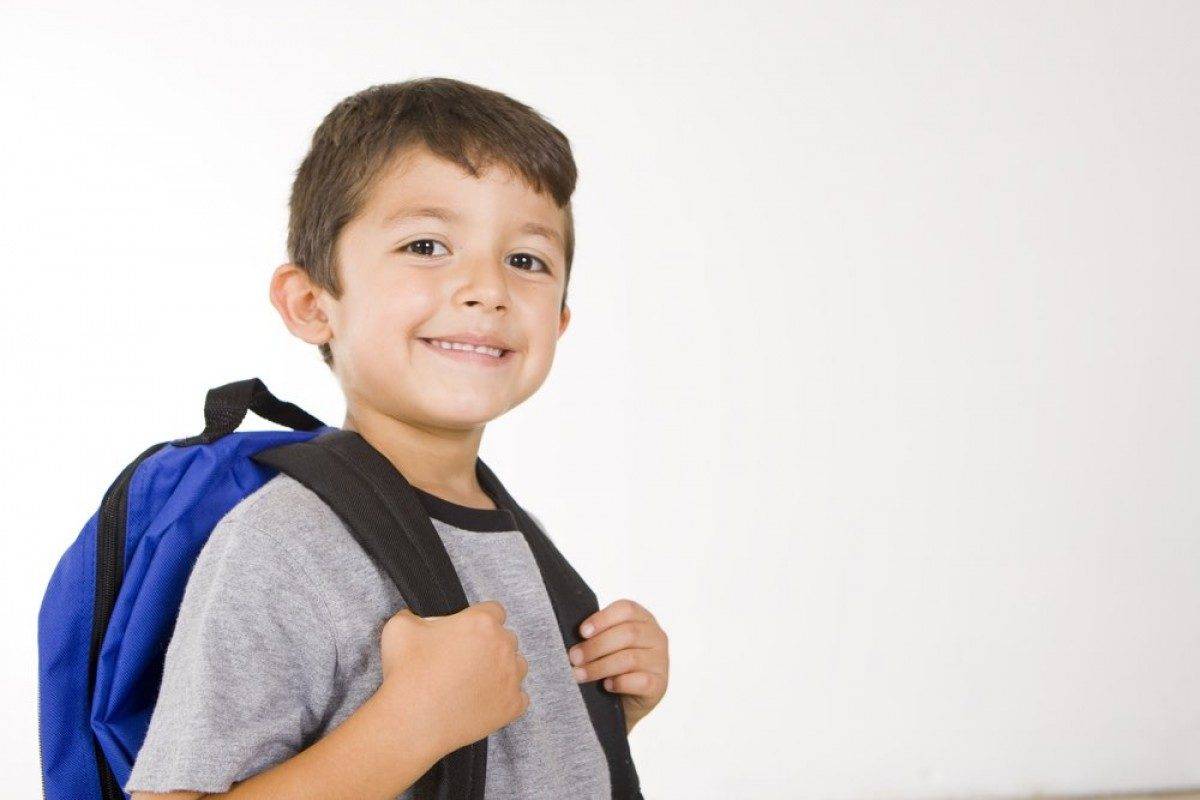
(469, 337)
(469, 357)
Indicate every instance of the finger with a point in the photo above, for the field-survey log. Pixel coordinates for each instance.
(628, 660)
(640, 683)
(621, 610)
(624, 634)
(492, 608)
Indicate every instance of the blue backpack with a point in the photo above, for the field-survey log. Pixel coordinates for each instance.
(110, 606)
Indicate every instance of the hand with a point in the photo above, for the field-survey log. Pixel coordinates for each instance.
(460, 674)
(624, 644)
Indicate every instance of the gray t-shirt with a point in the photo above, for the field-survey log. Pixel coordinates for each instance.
(277, 642)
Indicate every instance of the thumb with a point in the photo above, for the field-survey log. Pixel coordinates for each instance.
(409, 612)
(406, 612)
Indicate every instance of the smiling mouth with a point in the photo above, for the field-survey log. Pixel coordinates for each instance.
(469, 354)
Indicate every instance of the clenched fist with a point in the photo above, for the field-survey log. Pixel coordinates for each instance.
(460, 673)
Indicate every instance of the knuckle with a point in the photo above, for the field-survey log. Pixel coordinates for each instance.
(484, 608)
(394, 624)
(483, 623)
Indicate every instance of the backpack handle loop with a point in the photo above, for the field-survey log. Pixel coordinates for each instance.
(226, 406)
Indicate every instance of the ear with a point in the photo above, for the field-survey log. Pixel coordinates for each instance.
(564, 319)
(298, 301)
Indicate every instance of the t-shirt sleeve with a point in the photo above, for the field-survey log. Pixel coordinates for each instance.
(249, 670)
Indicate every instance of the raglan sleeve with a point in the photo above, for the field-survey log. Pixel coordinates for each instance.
(249, 671)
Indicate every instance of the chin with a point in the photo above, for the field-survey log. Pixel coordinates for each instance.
(465, 418)
(460, 423)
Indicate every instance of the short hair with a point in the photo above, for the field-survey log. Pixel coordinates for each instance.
(467, 124)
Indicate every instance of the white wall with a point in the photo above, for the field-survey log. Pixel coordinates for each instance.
(881, 387)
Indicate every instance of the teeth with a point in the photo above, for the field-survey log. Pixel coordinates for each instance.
(491, 351)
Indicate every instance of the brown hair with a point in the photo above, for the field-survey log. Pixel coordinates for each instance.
(472, 126)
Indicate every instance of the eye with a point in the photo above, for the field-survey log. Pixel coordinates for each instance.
(524, 258)
(424, 247)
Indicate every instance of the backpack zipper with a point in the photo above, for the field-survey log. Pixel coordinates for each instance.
(110, 565)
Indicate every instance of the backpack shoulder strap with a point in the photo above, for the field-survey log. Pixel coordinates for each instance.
(573, 602)
(382, 511)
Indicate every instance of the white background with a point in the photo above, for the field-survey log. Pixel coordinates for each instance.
(881, 386)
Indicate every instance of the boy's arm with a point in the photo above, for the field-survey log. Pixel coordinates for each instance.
(375, 754)
(249, 673)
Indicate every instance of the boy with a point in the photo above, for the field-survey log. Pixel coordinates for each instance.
(431, 241)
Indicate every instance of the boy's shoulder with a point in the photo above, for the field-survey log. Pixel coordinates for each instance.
(254, 624)
(300, 523)
(282, 503)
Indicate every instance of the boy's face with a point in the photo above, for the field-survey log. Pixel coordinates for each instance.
(438, 254)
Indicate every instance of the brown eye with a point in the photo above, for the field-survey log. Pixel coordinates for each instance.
(524, 259)
(424, 247)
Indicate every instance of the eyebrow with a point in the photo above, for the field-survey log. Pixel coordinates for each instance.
(447, 215)
(424, 212)
(545, 231)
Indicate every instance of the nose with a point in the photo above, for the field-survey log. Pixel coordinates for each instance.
(485, 283)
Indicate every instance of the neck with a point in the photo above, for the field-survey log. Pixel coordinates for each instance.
(439, 460)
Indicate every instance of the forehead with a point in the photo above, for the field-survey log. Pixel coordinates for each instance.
(417, 177)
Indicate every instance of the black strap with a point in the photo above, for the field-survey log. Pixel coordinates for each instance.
(382, 511)
(574, 601)
(225, 407)
(387, 519)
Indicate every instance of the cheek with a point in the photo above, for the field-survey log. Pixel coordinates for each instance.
(390, 321)
(543, 339)
(547, 328)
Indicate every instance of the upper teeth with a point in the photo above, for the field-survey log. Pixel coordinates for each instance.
(478, 348)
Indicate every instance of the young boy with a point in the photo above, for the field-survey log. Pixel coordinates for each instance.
(431, 242)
